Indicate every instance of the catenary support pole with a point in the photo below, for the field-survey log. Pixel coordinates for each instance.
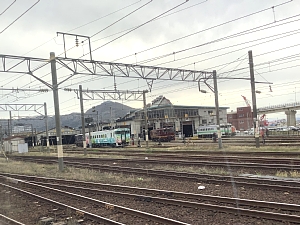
(46, 125)
(82, 120)
(57, 112)
(10, 124)
(217, 108)
(32, 141)
(98, 121)
(146, 117)
(255, 121)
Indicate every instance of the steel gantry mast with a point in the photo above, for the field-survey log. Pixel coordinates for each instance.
(30, 65)
(28, 107)
(111, 95)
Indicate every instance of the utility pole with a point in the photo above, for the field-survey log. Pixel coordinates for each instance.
(46, 125)
(82, 120)
(8, 127)
(32, 136)
(10, 123)
(110, 112)
(1, 139)
(146, 117)
(97, 120)
(57, 112)
(217, 109)
(255, 121)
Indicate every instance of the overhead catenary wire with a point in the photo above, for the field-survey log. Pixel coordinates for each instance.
(19, 17)
(218, 40)
(215, 26)
(7, 7)
(244, 16)
(133, 29)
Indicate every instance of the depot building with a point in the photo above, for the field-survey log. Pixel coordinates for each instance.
(162, 113)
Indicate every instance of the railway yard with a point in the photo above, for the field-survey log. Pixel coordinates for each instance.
(173, 183)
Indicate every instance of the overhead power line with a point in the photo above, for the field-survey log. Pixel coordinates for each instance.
(249, 31)
(218, 25)
(7, 7)
(138, 27)
(19, 17)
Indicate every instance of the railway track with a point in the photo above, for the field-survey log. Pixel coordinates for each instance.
(288, 185)
(225, 156)
(64, 199)
(4, 220)
(244, 207)
(294, 165)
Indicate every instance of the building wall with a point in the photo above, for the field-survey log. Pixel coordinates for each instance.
(242, 119)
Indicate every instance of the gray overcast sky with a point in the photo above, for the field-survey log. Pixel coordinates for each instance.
(276, 48)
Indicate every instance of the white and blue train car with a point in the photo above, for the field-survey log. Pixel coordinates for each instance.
(115, 138)
(209, 130)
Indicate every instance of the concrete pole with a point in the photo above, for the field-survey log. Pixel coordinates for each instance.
(255, 121)
(8, 127)
(10, 123)
(97, 120)
(82, 120)
(57, 112)
(1, 139)
(90, 137)
(110, 111)
(146, 117)
(32, 142)
(46, 125)
(217, 109)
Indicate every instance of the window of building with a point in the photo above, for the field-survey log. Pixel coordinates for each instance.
(242, 121)
(240, 109)
(241, 115)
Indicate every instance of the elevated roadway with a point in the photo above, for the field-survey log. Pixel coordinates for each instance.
(288, 108)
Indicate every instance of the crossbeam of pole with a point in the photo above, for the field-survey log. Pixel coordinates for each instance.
(24, 89)
(22, 107)
(91, 67)
(109, 94)
(21, 64)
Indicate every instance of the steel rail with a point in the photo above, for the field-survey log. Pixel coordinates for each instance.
(189, 162)
(9, 221)
(242, 181)
(133, 212)
(190, 152)
(188, 156)
(227, 209)
(58, 204)
(239, 201)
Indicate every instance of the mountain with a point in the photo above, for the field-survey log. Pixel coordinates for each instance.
(109, 110)
(117, 110)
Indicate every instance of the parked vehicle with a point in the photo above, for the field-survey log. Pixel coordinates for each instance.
(163, 134)
(115, 138)
(207, 131)
(293, 128)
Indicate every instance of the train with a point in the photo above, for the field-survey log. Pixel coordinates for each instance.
(119, 137)
(209, 130)
(163, 134)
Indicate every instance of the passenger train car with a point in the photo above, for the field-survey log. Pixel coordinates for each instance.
(163, 134)
(114, 138)
(207, 131)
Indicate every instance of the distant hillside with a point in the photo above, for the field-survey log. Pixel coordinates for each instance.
(118, 110)
(74, 119)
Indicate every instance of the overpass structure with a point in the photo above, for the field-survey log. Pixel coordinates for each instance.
(288, 108)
